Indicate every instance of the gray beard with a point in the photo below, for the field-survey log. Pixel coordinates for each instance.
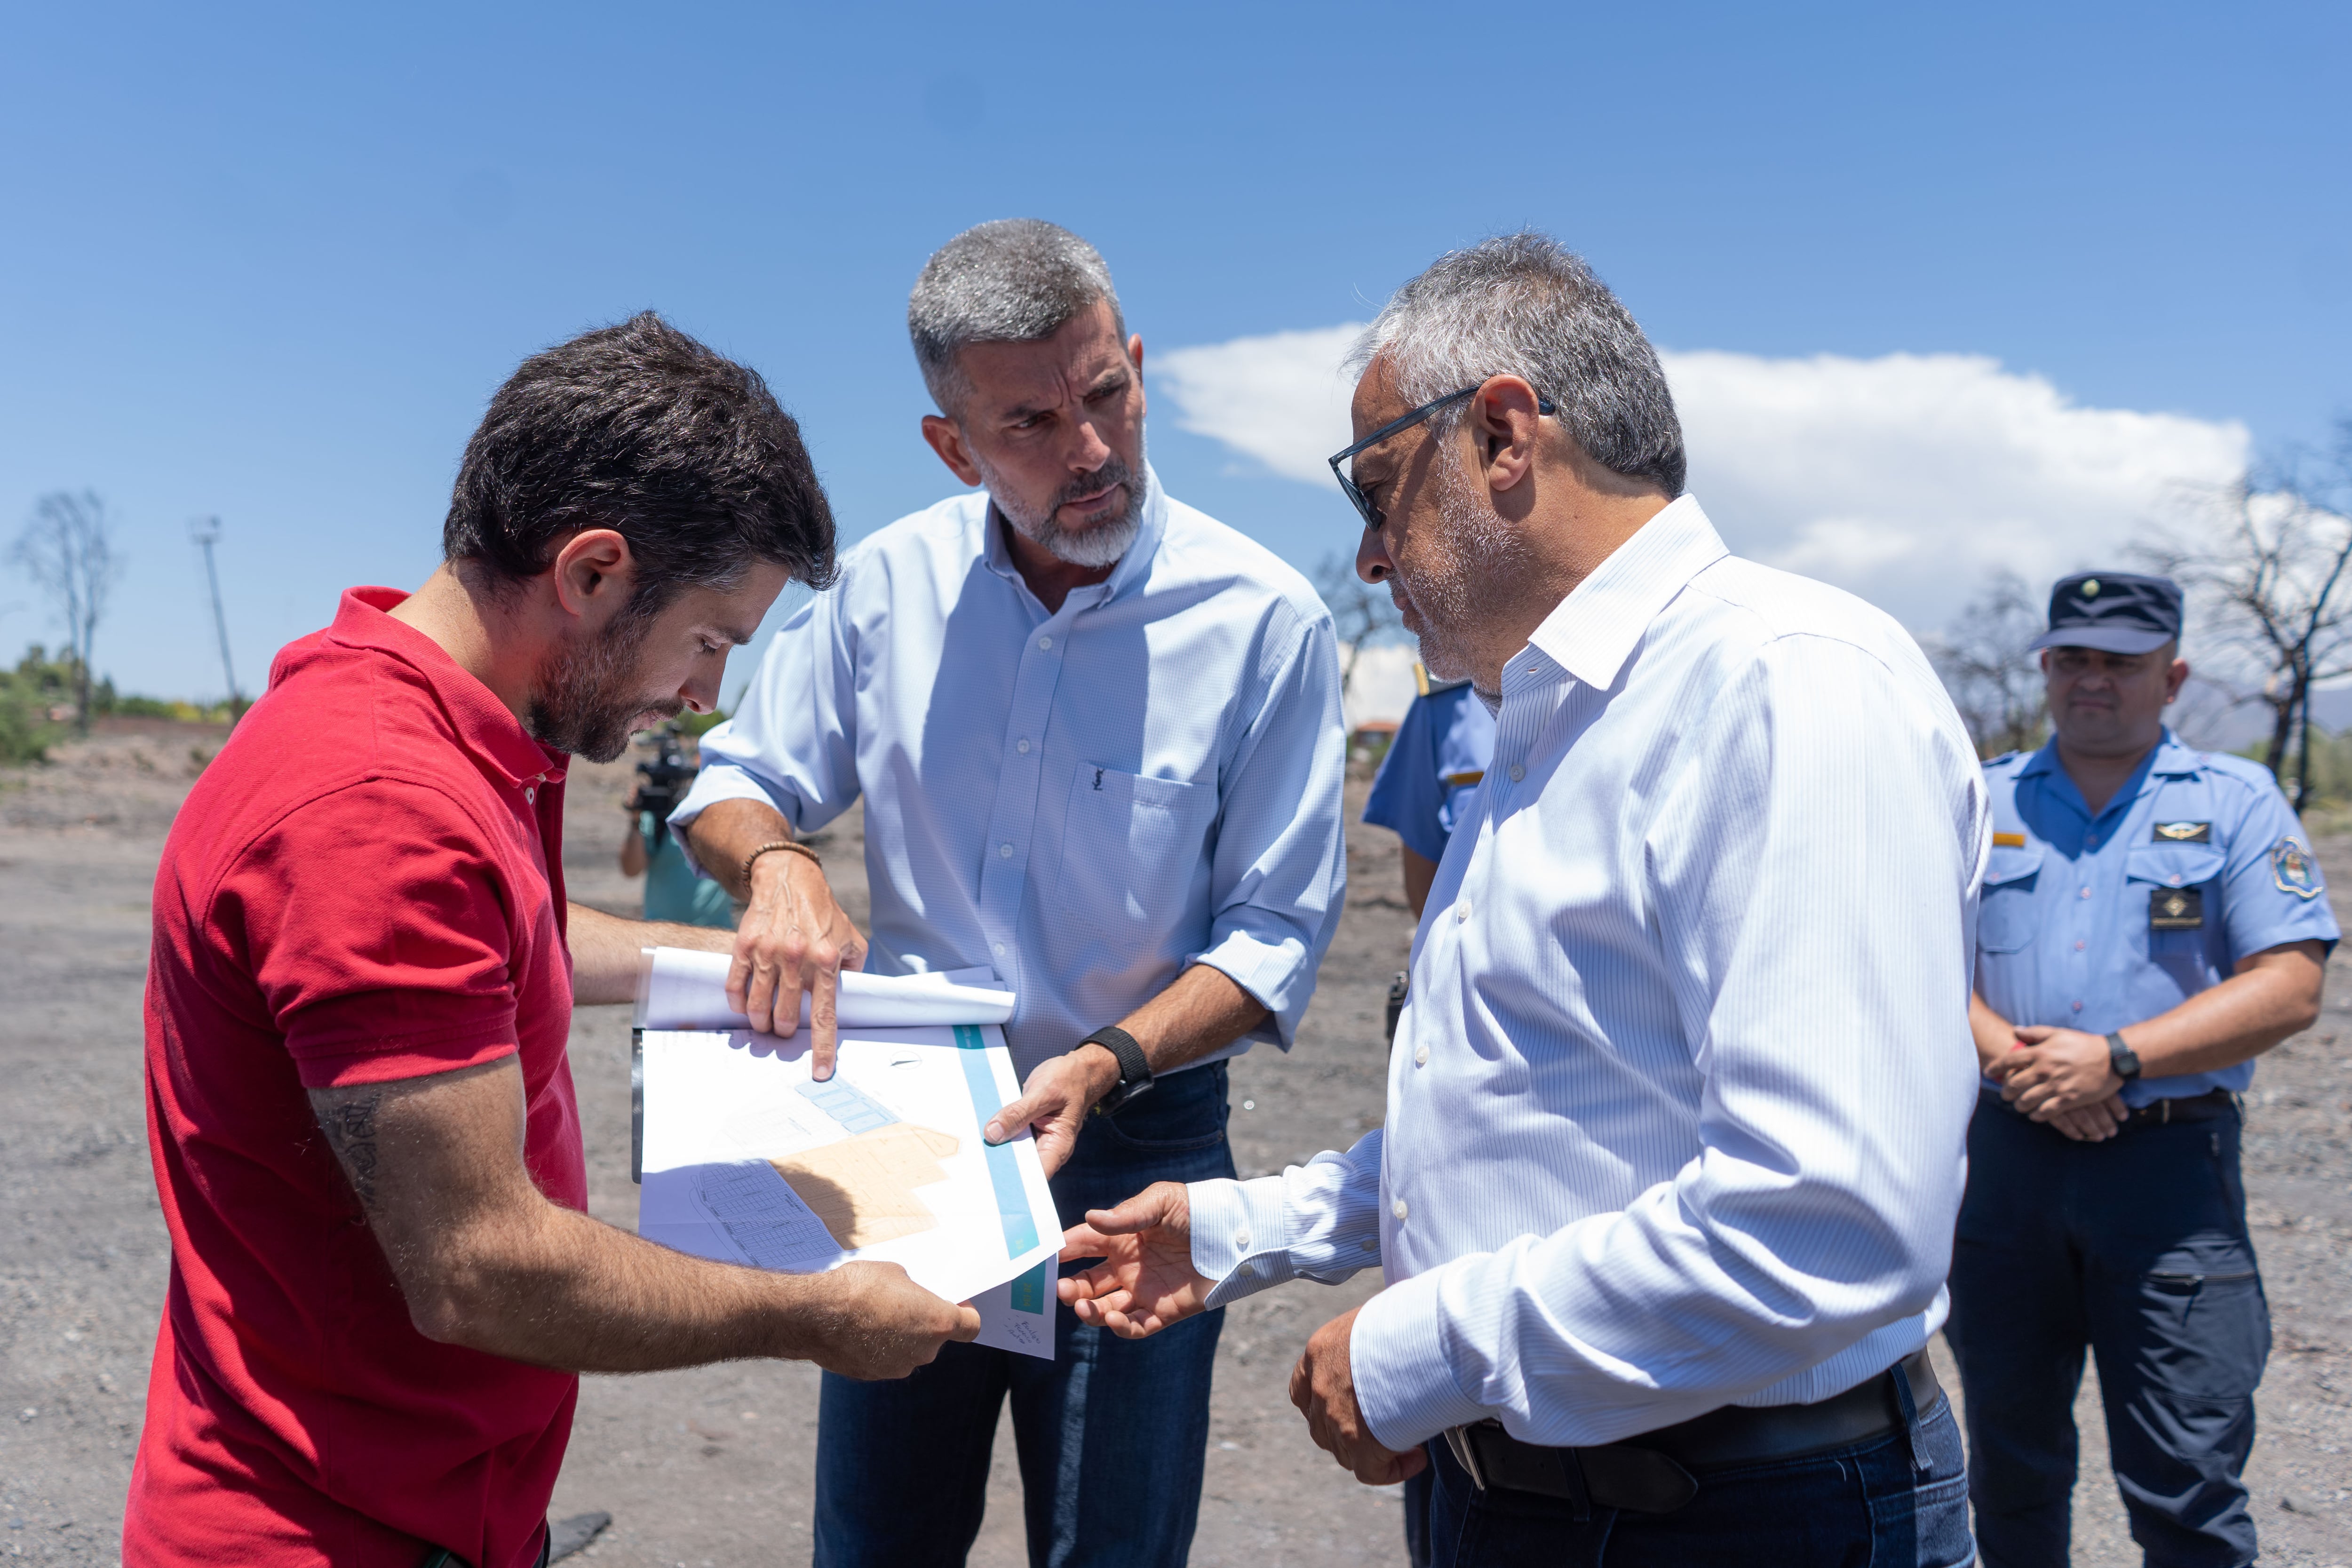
(1101, 545)
(1480, 548)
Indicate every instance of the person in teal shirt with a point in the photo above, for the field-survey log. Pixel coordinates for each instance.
(673, 893)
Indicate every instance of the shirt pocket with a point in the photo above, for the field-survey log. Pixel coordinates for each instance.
(1131, 848)
(2005, 916)
(2152, 866)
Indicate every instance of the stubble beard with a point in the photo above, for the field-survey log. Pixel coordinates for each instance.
(1477, 551)
(587, 703)
(1101, 545)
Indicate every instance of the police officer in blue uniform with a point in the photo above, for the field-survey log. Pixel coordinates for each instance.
(2153, 919)
(1436, 763)
(1422, 793)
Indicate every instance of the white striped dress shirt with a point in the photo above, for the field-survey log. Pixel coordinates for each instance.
(1677, 1111)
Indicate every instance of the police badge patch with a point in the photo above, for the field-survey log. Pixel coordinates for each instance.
(2293, 869)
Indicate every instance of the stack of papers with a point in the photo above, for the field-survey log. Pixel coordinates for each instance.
(747, 1159)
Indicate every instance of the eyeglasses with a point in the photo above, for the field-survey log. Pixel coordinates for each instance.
(1372, 515)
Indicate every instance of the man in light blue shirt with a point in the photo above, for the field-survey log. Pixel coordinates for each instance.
(1665, 1194)
(1099, 738)
(2152, 920)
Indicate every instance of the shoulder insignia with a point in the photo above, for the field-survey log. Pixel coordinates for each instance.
(2009, 840)
(2184, 833)
(2293, 869)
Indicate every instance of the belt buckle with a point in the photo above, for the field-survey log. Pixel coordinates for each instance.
(1458, 1440)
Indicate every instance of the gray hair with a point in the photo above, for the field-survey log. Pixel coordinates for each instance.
(1525, 305)
(1015, 280)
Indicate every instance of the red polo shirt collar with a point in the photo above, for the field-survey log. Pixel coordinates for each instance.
(485, 726)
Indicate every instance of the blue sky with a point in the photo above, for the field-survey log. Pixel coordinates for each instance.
(269, 263)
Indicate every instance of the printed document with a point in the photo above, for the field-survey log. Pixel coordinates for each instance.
(747, 1159)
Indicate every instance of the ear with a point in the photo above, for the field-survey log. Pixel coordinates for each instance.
(2174, 680)
(945, 438)
(1505, 424)
(1135, 358)
(594, 574)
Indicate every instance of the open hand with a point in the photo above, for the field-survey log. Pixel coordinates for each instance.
(1145, 1280)
(1323, 1386)
(794, 938)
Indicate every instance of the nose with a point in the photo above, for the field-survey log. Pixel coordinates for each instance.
(700, 694)
(1372, 562)
(1092, 451)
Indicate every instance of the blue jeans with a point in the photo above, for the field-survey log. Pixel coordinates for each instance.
(1867, 1506)
(1112, 1433)
(2137, 1249)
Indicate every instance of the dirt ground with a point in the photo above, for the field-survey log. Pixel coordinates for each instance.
(713, 1466)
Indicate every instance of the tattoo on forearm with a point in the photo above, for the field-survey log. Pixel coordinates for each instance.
(350, 1127)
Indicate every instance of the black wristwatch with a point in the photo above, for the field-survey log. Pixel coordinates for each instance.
(2122, 1057)
(1134, 1071)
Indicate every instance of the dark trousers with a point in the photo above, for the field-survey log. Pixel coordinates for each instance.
(1112, 1433)
(2137, 1250)
(1868, 1505)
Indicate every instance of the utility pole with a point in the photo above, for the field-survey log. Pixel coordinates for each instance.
(207, 533)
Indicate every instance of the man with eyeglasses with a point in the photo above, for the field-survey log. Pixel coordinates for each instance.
(1676, 1112)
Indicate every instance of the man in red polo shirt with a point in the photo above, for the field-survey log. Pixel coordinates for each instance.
(366, 1143)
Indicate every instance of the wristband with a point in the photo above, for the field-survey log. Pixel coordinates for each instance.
(784, 844)
(2122, 1057)
(1134, 1068)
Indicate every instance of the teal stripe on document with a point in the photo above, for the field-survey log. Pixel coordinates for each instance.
(1020, 1229)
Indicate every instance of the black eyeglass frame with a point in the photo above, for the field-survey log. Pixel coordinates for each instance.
(1373, 517)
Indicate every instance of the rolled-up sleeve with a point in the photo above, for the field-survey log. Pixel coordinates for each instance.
(1278, 877)
(1813, 875)
(792, 741)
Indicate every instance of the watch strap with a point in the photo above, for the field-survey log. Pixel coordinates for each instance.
(2125, 1060)
(1134, 1067)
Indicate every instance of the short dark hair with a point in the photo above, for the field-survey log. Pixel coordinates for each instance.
(639, 429)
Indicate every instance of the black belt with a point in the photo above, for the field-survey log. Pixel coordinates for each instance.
(2188, 1108)
(1654, 1472)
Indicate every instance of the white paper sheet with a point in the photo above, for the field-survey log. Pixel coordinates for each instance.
(678, 988)
(748, 1160)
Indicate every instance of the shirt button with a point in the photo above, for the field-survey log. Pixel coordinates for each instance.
(1517, 772)
(1021, 745)
(1004, 852)
(1420, 1056)
(2078, 947)
(2086, 892)
(1462, 910)
(1397, 1208)
(1371, 1244)
(998, 950)
(1043, 643)
(2175, 878)
(528, 794)
(1243, 1272)
(2078, 1007)
(1242, 1241)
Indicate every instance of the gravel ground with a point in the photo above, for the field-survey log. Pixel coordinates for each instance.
(713, 1467)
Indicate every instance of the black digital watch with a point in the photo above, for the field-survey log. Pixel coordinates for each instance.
(1134, 1070)
(2122, 1057)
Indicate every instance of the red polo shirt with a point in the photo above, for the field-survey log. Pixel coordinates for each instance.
(365, 885)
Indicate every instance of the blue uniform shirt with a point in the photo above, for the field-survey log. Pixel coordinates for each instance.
(1437, 760)
(2100, 924)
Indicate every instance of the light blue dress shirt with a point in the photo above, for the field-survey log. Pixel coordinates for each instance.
(1432, 768)
(1087, 801)
(1678, 1110)
(2080, 927)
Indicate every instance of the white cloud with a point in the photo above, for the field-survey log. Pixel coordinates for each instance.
(1904, 479)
